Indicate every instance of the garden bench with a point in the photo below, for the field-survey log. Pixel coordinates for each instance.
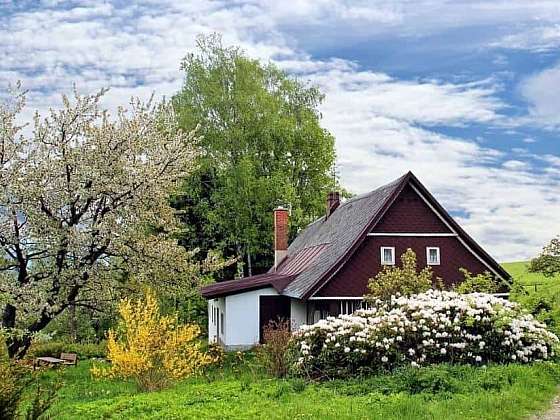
(69, 358)
(65, 359)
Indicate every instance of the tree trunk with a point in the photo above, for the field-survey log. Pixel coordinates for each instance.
(73, 322)
(249, 264)
(17, 347)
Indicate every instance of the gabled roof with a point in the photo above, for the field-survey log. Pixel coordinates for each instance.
(324, 246)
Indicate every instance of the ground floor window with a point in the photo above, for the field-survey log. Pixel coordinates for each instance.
(321, 309)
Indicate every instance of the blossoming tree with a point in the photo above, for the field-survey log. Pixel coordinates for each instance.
(85, 196)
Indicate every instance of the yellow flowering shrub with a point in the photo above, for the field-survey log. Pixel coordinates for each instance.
(152, 348)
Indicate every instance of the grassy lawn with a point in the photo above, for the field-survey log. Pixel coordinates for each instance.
(452, 392)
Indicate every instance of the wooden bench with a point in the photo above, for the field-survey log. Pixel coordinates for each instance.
(66, 359)
(69, 358)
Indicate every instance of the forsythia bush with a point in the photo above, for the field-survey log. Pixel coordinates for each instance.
(432, 327)
(150, 347)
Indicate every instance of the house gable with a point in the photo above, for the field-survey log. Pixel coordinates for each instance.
(413, 220)
(410, 214)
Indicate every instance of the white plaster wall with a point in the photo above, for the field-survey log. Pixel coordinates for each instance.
(242, 320)
(298, 313)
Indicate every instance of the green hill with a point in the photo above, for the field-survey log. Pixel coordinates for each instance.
(533, 281)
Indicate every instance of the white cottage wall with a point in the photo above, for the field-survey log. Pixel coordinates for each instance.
(242, 320)
(298, 313)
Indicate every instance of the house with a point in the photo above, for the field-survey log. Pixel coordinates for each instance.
(325, 270)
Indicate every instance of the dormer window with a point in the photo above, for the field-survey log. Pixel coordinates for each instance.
(432, 255)
(387, 255)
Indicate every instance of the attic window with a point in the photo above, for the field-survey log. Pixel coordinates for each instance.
(432, 255)
(387, 255)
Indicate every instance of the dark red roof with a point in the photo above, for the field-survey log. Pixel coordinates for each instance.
(301, 260)
(230, 287)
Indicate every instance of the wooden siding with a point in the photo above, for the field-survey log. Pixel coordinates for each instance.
(410, 214)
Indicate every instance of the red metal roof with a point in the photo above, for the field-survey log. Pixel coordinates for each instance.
(230, 287)
(302, 259)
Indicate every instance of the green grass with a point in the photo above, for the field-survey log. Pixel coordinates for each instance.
(519, 271)
(451, 392)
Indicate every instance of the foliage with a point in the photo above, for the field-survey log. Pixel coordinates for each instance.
(548, 262)
(397, 281)
(43, 397)
(432, 327)
(17, 385)
(12, 386)
(262, 146)
(536, 293)
(83, 324)
(54, 348)
(150, 347)
(85, 208)
(272, 355)
(480, 283)
(497, 392)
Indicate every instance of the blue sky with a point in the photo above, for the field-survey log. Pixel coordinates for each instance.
(464, 93)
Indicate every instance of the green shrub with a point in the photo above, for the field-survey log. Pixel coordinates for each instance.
(54, 348)
(397, 281)
(12, 386)
(15, 381)
(480, 283)
(42, 397)
(430, 380)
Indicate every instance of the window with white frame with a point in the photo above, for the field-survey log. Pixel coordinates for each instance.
(432, 255)
(387, 255)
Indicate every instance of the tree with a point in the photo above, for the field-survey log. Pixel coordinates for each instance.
(262, 146)
(84, 208)
(405, 280)
(548, 262)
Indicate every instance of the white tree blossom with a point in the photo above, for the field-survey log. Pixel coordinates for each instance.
(85, 194)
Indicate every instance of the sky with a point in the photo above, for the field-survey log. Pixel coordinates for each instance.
(464, 93)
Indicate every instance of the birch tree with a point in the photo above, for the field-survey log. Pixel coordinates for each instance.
(83, 196)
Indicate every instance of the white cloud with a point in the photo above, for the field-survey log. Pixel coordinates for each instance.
(541, 91)
(539, 39)
(381, 123)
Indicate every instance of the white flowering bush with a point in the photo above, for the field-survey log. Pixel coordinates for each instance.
(431, 327)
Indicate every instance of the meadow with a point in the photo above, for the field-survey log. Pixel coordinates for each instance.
(239, 391)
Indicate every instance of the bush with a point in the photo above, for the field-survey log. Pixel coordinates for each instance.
(272, 355)
(433, 327)
(54, 348)
(152, 348)
(405, 280)
(481, 283)
(12, 385)
(15, 379)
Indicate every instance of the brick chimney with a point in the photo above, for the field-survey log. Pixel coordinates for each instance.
(280, 235)
(333, 201)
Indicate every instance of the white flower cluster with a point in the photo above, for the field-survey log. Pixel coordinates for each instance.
(432, 327)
